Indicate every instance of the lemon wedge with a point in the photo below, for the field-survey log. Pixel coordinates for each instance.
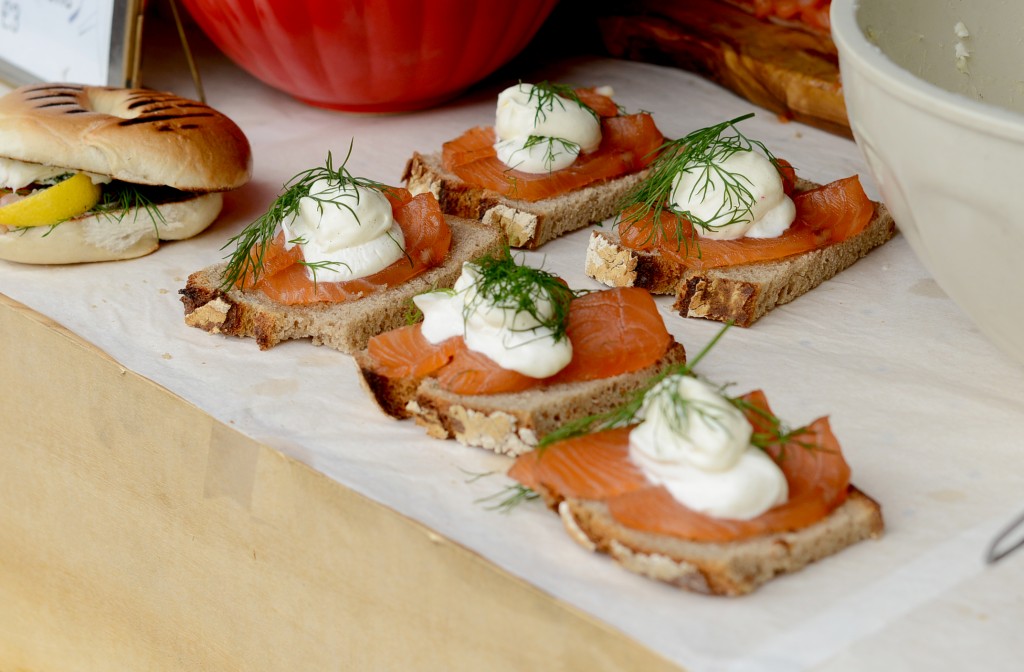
(52, 205)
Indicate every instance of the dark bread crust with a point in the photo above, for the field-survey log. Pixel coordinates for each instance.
(344, 326)
(510, 423)
(727, 568)
(526, 224)
(742, 294)
(135, 135)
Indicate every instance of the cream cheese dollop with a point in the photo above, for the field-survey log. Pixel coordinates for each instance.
(701, 190)
(347, 230)
(542, 133)
(696, 443)
(16, 174)
(514, 339)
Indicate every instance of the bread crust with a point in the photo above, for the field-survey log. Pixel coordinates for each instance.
(741, 294)
(110, 238)
(526, 224)
(510, 423)
(134, 135)
(728, 568)
(346, 326)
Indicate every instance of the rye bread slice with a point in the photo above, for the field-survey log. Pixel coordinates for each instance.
(527, 224)
(742, 293)
(510, 423)
(726, 568)
(344, 326)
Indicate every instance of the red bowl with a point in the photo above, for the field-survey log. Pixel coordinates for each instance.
(370, 55)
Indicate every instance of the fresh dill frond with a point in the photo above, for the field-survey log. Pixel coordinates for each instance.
(120, 198)
(627, 412)
(547, 94)
(506, 284)
(250, 245)
(777, 434)
(474, 476)
(772, 435)
(412, 313)
(314, 266)
(701, 152)
(551, 152)
(507, 499)
(50, 229)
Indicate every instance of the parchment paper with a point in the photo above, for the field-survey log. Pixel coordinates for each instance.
(928, 412)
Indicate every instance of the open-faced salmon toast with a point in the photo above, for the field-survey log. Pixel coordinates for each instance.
(666, 243)
(335, 259)
(517, 354)
(704, 491)
(557, 160)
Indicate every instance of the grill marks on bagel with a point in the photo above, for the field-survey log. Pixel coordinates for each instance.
(143, 107)
(153, 119)
(138, 136)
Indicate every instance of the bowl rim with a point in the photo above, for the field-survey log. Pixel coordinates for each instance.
(851, 42)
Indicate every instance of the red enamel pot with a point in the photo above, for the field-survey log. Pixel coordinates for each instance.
(370, 55)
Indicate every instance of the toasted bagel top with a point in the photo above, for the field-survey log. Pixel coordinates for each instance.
(134, 135)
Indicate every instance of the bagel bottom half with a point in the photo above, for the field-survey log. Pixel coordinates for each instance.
(108, 238)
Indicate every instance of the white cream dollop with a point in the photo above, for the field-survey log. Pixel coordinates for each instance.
(706, 196)
(514, 339)
(348, 230)
(697, 444)
(561, 129)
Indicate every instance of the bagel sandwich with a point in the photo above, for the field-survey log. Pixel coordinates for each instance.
(90, 173)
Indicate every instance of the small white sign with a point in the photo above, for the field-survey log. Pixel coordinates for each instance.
(79, 41)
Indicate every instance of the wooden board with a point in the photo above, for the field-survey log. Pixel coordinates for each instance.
(139, 534)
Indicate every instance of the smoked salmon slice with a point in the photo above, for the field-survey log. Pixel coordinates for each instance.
(613, 331)
(628, 144)
(471, 372)
(404, 352)
(598, 102)
(827, 214)
(597, 467)
(594, 466)
(284, 279)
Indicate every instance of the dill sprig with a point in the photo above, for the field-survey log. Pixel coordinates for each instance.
(547, 94)
(627, 412)
(551, 152)
(507, 284)
(777, 434)
(508, 498)
(247, 259)
(116, 202)
(701, 152)
(773, 433)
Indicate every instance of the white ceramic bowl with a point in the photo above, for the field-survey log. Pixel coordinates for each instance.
(935, 94)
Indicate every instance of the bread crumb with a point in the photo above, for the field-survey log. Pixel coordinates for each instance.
(210, 316)
(520, 227)
(609, 263)
(497, 431)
